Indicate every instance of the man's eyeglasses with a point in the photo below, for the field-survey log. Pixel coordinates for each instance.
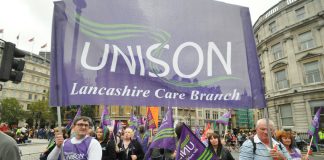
(82, 125)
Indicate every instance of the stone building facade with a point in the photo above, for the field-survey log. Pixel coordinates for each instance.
(290, 39)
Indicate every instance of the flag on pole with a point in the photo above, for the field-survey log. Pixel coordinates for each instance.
(191, 148)
(197, 132)
(165, 137)
(1, 30)
(105, 121)
(133, 122)
(69, 125)
(140, 120)
(204, 136)
(43, 46)
(117, 127)
(150, 120)
(314, 128)
(224, 119)
(31, 40)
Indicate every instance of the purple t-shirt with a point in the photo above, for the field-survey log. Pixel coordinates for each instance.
(76, 151)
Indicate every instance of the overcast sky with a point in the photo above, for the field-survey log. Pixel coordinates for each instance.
(33, 18)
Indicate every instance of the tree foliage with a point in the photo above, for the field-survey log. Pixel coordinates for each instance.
(11, 111)
(41, 110)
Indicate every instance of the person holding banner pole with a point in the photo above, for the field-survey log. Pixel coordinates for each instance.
(258, 147)
(81, 146)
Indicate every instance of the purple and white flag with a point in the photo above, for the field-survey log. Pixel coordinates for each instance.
(133, 122)
(105, 119)
(165, 137)
(191, 148)
(149, 53)
(314, 128)
(224, 119)
(69, 125)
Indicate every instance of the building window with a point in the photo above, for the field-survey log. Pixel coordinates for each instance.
(281, 79)
(315, 105)
(201, 122)
(277, 51)
(272, 27)
(30, 96)
(28, 106)
(207, 114)
(312, 72)
(300, 13)
(199, 113)
(215, 115)
(121, 110)
(35, 97)
(286, 115)
(306, 41)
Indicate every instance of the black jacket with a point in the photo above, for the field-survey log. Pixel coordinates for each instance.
(134, 147)
(224, 155)
(108, 150)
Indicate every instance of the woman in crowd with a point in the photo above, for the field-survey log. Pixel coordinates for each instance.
(287, 140)
(129, 149)
(107, 144)
(215, 145)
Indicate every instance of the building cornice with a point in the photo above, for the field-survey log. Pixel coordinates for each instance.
(276, 9)
(295, 92)
(287, 29)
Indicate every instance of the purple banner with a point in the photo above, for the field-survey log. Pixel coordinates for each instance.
(191, 148)
(185, 53)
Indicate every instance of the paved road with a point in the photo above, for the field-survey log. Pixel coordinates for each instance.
(33, 150)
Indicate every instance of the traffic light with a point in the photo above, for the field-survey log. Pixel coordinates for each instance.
(11, 65)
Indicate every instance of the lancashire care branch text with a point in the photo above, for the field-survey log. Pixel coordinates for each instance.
(160, 93)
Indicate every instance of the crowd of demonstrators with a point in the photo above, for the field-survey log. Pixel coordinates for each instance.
(259, 147)
(241, 137)
(20, 135)
(85, 142)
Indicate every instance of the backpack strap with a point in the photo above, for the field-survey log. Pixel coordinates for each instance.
(254, 145)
